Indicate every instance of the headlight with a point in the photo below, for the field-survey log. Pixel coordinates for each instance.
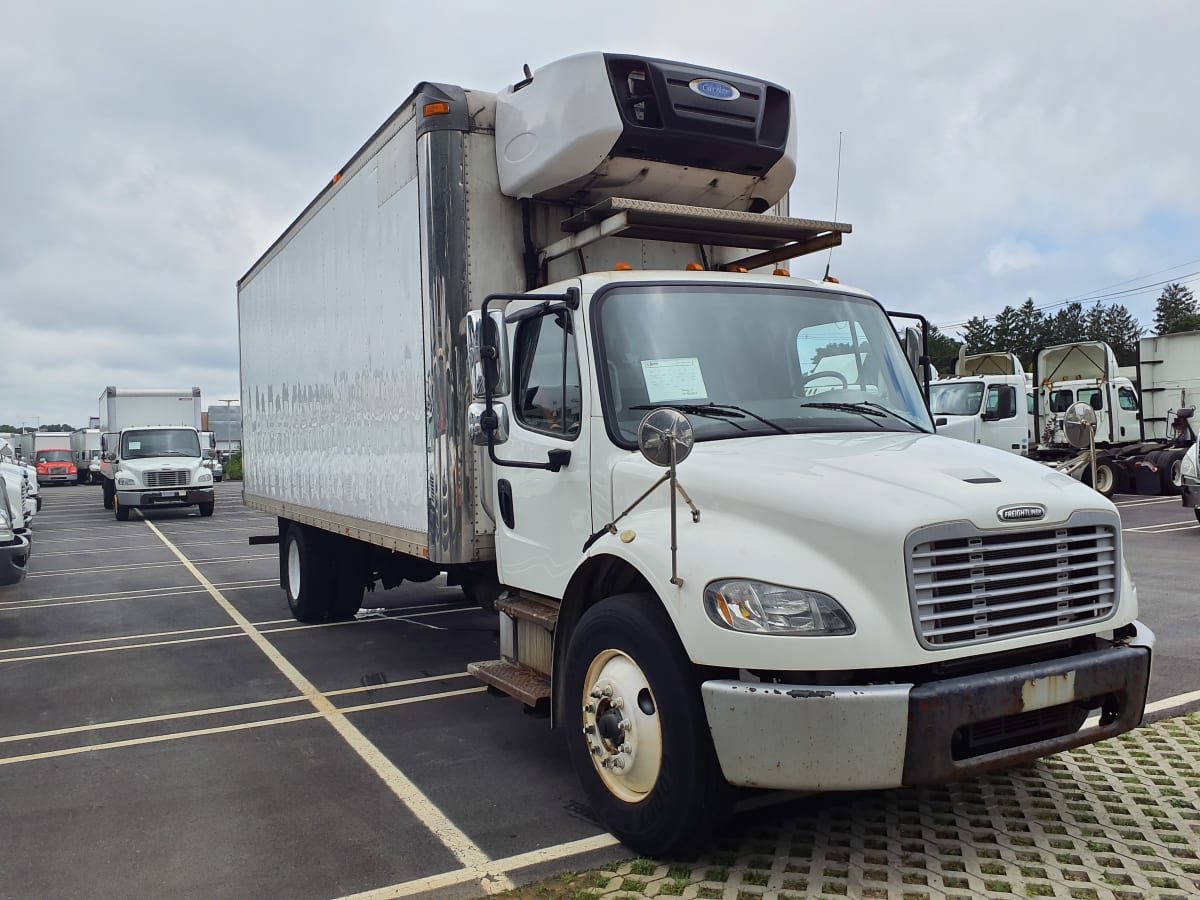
(1188, 466)
(761, 608)
(126, 482)
(7, 536)
(204, 478)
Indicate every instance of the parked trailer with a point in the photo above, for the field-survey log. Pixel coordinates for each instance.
(824, 595)
(85, 453)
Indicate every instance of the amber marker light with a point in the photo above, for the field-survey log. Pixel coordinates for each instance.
(436, 109)
(622, 267)
(783, 273)
(694, 267)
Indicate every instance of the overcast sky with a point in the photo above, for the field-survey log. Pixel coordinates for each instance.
(150, 152)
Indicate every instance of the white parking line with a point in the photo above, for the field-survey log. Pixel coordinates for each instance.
(221, 710)
(1147, 502)
(1164, 527)
(455, 840)
(137, 593)
(43, 555)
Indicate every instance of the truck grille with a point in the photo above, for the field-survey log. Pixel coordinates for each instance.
(167, 478)
(969, 586)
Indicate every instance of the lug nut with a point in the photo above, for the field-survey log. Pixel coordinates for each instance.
(606, 692)
(618, 763)
(595, 694)
(627, 748)
(589, 729)
(625, 725)
(618, 703)
(589, 708)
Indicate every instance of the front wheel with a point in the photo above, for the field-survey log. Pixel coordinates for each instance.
(110, 494)
(206, 509)
(121, 511)
(636, 730)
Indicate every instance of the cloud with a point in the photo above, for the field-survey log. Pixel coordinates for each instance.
(991, 151)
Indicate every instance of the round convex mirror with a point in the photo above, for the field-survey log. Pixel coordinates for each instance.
(1079, 424)
(659, 429)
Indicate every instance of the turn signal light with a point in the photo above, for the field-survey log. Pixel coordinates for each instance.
(740, 269)
(694, 267)
(831, 279)
(622, 267)
(782, 272)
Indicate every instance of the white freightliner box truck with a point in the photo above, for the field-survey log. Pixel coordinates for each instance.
(151, 451)
(496, 291)
(85, 453)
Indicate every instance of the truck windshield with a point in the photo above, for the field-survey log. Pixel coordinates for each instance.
(752, 360)
(46, 456)
(959, 399)
(159, 442)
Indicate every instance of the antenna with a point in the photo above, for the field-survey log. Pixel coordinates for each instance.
(837, 191)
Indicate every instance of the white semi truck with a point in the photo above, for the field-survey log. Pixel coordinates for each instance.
(151, 454)
(525, 304)
(1143, 424)
(987, 401)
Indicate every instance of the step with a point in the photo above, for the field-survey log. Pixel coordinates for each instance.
(526, 684)
(543, 613)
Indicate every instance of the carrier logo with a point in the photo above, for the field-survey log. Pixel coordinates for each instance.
(713, 89)
(1021, 513)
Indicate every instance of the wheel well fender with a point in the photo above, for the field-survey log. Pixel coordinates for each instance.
(599, 577)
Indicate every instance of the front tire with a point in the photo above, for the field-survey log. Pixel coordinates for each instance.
(121, 511)
(1170, 471)
(206, 509)
(636, 730)
(110, 494)
(307, 573)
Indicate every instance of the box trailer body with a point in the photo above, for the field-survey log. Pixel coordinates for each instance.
(1168, 379)
(151, 454)
(85, 453)
(451, 359)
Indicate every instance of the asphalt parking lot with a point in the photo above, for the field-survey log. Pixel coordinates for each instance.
(167, 729)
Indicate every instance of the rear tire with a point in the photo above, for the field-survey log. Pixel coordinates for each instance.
(308, 575)
(1170, 466)
(206, 509)
(110, 494)
(663, 789)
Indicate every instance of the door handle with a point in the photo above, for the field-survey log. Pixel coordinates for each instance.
(505, 502)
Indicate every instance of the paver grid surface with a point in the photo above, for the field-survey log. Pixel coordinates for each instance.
(1120, 819)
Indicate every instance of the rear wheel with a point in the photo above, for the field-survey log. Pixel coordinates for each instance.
(1170, 471)
(206, 509)
(110, 494)
(308, 573)
(636, 729)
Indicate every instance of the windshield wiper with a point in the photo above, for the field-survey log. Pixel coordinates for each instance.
(716, 410)
(867, 408)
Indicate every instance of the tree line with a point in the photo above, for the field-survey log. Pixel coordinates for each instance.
(1024, 330)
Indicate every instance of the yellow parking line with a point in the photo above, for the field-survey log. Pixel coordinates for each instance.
(455, 840)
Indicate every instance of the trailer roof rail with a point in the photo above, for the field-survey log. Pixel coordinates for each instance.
(779, 237)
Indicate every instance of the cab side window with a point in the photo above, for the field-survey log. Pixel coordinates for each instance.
(1001, 402)
(1060, 400)
(547, 396)
(1127, 398)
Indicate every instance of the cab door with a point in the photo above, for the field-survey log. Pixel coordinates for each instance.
(543, 516)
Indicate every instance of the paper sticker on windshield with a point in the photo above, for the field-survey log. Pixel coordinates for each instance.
(135, 445)
(673, 379)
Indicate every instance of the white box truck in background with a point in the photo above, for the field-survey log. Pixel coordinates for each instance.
(85, 453)
(523, 305)
(151, 451)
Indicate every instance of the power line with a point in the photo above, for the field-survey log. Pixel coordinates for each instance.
(1128, 292)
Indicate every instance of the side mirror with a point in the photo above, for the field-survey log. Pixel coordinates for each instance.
(478, 423)
(912, 350)
(940, 421)
(1097, 401)
(1185, 412)
(487, 349)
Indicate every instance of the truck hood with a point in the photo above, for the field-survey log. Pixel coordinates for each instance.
(160, 463)
(888, 483)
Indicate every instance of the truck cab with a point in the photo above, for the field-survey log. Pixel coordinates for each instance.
(14, 536)
(153, 467)
(986, 402)
(1086, 372)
